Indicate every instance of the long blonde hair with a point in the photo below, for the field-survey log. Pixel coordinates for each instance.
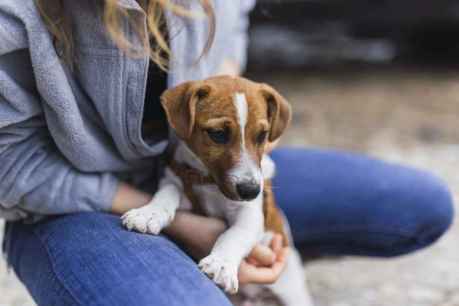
(59, 25)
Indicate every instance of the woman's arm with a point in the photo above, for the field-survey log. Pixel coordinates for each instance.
(237, 38)
(127, 198)
(229, 67)
(204, 228)
(35, 178)
(198, 243)
(263, 265)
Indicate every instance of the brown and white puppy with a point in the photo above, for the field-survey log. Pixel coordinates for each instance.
(218, 168)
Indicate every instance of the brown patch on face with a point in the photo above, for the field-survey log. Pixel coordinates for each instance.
(257, 127)
(205, 116)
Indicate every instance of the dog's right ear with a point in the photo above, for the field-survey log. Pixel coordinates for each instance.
(179, 104)
(279, 111)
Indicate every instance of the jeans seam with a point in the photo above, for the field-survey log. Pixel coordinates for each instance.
(49, 257)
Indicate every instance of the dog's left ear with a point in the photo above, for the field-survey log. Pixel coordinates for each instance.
(179, 103)
(279, 111)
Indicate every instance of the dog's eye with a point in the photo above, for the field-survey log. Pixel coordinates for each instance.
(219, 136)
(262, 137)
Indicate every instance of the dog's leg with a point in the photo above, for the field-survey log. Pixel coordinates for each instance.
(291, 287)
(233, 245)
(160, 211)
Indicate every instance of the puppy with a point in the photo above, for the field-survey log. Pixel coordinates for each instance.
(218, 168)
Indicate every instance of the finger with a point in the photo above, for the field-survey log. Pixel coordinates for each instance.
(276, 243)
(262, 255)
(283, 253)
(270, 275)
(260, 275)
(252, 262)
(263, 275)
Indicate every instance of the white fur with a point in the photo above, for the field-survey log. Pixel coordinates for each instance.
(268, 167)
(242, 113)
(246, 169)
(245, 230)
(290, 288)
(160, 211)
(245, 220)
(221, 271)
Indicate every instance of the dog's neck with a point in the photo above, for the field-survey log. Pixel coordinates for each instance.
(184, 155)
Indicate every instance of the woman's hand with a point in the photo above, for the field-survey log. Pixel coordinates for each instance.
(264, 264)
(198, 235)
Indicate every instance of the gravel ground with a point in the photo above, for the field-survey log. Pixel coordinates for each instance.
(402, 116)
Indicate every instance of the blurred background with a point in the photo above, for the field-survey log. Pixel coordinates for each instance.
(381, 78)
(377, 77)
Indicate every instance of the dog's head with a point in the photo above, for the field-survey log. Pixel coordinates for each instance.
(226, 122)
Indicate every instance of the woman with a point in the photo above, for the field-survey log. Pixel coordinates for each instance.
(77, 81)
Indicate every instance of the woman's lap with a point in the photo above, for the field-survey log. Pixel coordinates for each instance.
(88, 259)
(346, 204)
(337, 203)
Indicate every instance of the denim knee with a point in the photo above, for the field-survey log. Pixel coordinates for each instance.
(438, 211)
(433, 215)
(89, 259)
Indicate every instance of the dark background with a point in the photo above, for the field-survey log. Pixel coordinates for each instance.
(322, 33)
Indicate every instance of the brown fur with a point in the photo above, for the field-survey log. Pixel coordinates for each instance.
(272, 218)
(193, 108)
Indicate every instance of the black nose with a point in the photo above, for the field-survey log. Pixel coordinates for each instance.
(248, 190)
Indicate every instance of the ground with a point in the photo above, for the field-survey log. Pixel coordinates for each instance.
(401, 115)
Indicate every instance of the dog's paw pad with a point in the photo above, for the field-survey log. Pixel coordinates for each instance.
(222, 272)
(132, 220)
(154, 226)
(146, 220)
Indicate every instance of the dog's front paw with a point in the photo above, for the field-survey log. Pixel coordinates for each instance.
(149, 219)
(223, 272)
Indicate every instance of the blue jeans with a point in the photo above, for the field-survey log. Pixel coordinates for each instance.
(337, 203)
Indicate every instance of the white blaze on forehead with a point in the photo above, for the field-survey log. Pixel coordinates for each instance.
(246, 168)
(242, 112)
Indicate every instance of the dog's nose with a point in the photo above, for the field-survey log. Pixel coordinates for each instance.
(248, 190)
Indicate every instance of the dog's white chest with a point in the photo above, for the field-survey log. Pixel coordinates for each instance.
(215, 204)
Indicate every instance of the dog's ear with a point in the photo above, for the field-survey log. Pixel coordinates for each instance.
(279, 111)
(179, 103)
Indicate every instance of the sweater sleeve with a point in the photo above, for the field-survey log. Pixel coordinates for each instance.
(237, 48)
(35, 178)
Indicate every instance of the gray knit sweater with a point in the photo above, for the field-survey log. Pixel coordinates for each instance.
(66, 137)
